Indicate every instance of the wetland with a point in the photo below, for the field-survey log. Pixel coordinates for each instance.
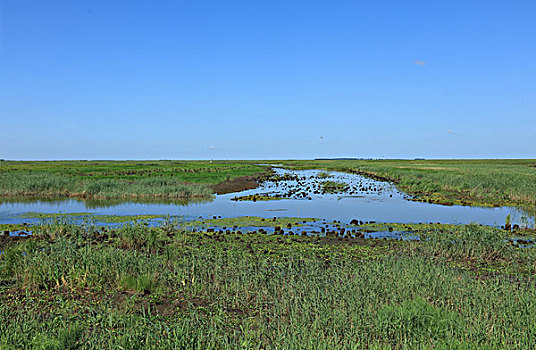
(297, 193)
(285, 256)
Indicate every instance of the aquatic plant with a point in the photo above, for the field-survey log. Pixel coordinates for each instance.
(507, 224)
(323, 175)
(333, 186)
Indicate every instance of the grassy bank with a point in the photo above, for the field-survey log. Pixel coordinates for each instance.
(119, 179)
(138, 287)
(469, 182)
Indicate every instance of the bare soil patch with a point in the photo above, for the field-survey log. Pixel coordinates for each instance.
(238, 184)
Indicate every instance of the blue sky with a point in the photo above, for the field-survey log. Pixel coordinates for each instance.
(267, 79)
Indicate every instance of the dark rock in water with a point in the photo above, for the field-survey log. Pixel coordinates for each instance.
(354, 222)
(516, 227)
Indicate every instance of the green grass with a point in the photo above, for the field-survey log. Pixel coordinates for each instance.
(165, 287)
(470, 182)
(179, 180)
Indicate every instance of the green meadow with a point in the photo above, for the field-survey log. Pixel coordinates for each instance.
(137, 287)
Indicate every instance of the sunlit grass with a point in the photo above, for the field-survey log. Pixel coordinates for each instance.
(166, 287)
(113, 180)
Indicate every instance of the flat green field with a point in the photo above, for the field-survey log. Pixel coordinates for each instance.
(134, 287)
(119, 179)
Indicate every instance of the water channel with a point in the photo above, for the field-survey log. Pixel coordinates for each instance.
(300, 195)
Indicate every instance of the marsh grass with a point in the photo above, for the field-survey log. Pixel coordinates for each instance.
(142, 287)
(469, 242)
(420, 320)
(119, 180)
(51, 185)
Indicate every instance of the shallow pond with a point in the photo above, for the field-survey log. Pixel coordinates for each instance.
(305, 193)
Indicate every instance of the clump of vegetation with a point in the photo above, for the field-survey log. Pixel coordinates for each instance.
(256, 197)
(333, 186)
(507, 224)
(419, 321)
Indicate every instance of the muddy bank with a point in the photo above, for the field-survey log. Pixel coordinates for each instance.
(241, 183)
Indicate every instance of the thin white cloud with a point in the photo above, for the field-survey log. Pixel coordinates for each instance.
(450, 131)
(212, 148)
(420, 63)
